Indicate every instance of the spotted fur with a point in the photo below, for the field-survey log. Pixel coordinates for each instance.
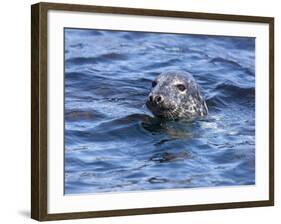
(177, 104)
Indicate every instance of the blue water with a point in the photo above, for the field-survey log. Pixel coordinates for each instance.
(114, 144)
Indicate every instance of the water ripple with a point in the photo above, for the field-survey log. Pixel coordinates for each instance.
(114, 144)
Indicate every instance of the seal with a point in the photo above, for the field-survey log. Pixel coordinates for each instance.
(176, 95)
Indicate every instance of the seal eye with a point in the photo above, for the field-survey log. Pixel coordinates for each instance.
(154, 83)
(181, 87)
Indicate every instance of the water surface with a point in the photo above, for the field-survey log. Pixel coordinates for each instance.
(114, 144)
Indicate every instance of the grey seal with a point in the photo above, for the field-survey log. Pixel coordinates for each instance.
(176, 95)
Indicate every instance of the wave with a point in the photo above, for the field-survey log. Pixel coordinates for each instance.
(233, 64)
(225, 61)
(81, 115)
(162, 64)
(232, 89)
(77, 46)
(93, 60)
(227, 92)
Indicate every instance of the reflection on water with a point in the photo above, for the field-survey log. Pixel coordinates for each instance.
(113, 143)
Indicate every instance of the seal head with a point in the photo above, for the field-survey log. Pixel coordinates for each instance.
(176, 95)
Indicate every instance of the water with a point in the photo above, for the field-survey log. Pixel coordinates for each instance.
(114, 144)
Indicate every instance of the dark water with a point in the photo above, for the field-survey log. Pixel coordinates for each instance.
(113, 143)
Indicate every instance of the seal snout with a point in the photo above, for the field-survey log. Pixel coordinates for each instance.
(156, 99)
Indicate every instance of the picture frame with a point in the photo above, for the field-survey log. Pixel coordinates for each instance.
(43, 162)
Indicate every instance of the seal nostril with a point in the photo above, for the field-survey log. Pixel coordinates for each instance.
(150, 98)
(158, 99)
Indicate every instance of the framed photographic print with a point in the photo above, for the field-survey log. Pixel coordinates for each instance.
(139, 111)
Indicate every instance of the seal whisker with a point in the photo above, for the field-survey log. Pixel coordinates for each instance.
(171, 115)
